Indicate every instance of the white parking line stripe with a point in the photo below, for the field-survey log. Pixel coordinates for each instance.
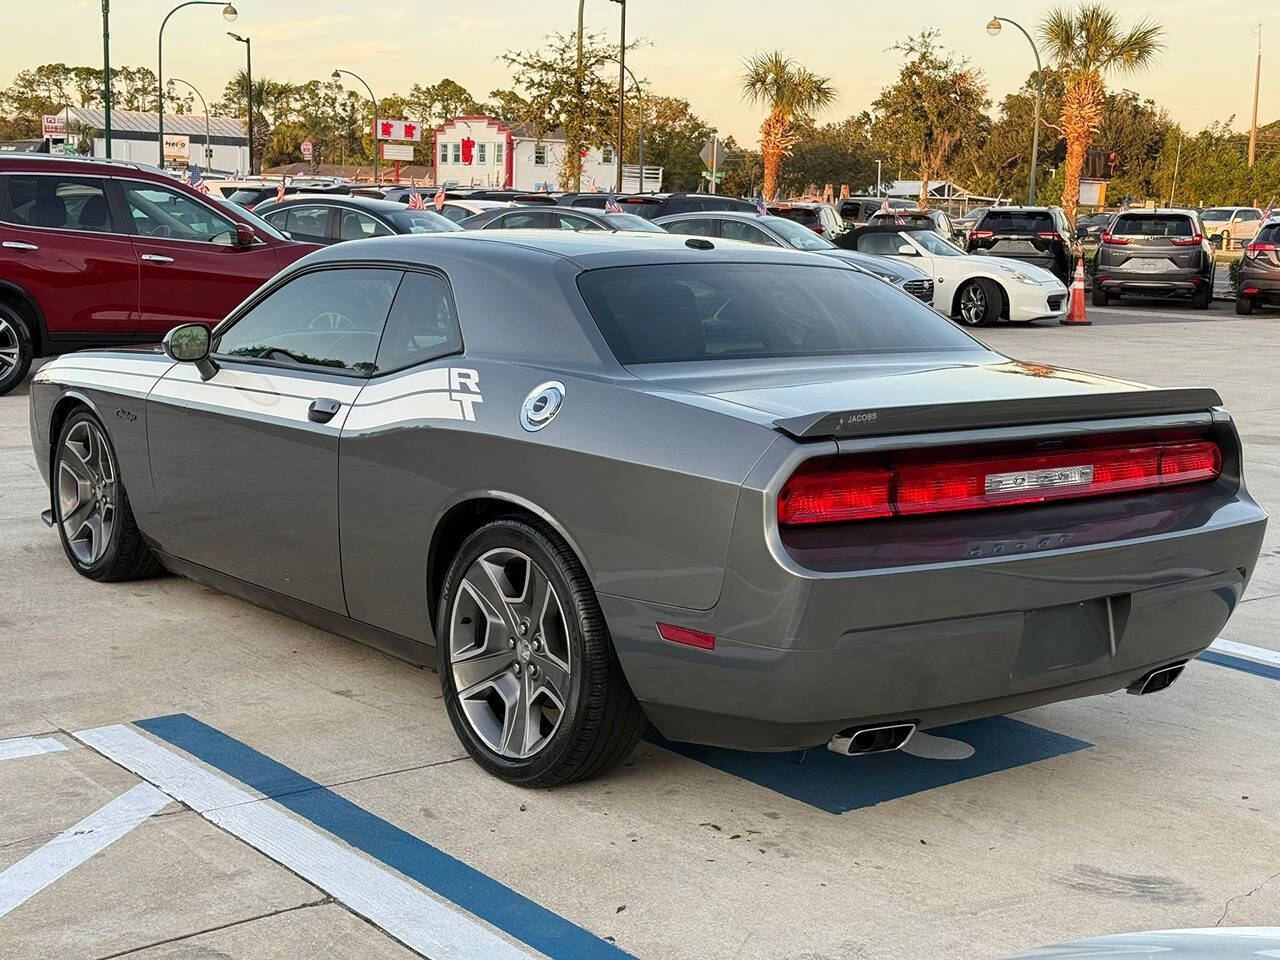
(77, 844)
(401, 909)
(29, 747)
(1260, 654)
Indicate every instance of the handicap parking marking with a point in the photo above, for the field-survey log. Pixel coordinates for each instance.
(29, 747)
(452, 880)
(838, 784)
(1244, 657)
(24, 879)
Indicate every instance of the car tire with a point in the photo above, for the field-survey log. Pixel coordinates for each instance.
(91, 507)
(978, 302)
(1100, 297)
(1244, 306)
(1201, 299)
(536, 700)
(15, 348)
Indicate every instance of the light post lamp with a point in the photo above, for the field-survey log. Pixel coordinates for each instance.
(622, 80)
(228, 14)
(993, 28)
(639, 130)
(337, 76)
(208, 149)
(248, 88)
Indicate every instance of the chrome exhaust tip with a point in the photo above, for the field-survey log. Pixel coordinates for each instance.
(1161, 678)
(877, 739)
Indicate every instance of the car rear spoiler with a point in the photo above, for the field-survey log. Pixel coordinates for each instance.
(931, 417)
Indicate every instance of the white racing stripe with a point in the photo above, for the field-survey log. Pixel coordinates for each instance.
(29, 747)
(401, 909)
(77, 844)
(1260, 654)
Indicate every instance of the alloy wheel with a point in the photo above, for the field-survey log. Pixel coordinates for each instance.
(87, 492)
(10, 347)
(973, 304)
(509, 653)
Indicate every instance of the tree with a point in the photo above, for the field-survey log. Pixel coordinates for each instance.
(1085, 44)
(787, 91)
(507, 106)
(673, 135)
(272, 103)
(937, 101)
(834, 153)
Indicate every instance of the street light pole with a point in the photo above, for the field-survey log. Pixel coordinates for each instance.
(993, 28)
(106, 74)
(248, 83)
(228, 14)
(640, 124)
(577, 82)
(622, 98)
(336, 76)
(878, 178)
(208, 148)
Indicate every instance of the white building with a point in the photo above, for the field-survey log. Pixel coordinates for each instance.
(135, 136)
(484, 152)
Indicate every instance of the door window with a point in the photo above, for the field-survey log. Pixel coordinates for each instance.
(360, 226)
(577, 223)
(307, 223)
(62, 203)
(694, 228)
(749, 232)
(881, 244)
(536, 219)
(162, 213)
(327, 320)
(421, 326)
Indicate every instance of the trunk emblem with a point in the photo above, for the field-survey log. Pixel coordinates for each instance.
(1036, 479)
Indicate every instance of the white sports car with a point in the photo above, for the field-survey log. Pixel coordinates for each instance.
(975, 290)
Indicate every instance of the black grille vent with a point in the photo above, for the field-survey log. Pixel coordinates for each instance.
(1055, 301)
(922, 289)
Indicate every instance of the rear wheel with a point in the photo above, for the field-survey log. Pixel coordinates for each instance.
(1100, 298)
(1244, 305)
(91, 507)
(1200, 299)
(979, 302)
(530, 678)
(15, 348)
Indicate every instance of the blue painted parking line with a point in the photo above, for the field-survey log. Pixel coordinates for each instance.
(838, 784)
(436, 870)
(1254, 667)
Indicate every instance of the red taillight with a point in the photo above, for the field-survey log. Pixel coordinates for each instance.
(1192, 241)
(1262, 247)
(828, 492)
(817, 229)
(1108, 237)
(690, 638)
(982, 233)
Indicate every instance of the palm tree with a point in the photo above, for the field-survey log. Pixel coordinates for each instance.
(1085, 44)
(787, 90)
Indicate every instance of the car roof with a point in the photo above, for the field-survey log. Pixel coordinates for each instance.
(890, 228)
(746, 215)
(97, 165)
(372, 204)
(1020, 208)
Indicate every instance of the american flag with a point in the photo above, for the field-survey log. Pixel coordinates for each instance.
(1271, 208)
(761, 209)
(611, 204)
(280, 192)
(438, 199)
(884, 205)
(416, 202)
(195, 180)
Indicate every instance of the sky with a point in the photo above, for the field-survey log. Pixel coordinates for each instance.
(694, 49)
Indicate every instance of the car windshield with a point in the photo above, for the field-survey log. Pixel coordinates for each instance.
(1213, 216)
(935, 243)
(796, 235)
(251, 195)
(1152, 225)
(631, 222)
(709, 311)
(421, 221)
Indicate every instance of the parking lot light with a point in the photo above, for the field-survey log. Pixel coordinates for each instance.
(993, 28)
(337, 75)
(229, 13)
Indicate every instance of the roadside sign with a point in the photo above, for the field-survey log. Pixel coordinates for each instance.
(53, 127)
(177, 146)
(397, 151)
(306, 149)
(67, 147)
(717, 177)
(399, 130)
(712, 154)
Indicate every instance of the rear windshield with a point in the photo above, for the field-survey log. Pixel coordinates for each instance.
(711, 311)
(252, 195)
(642, 208)
(798, 214)
(1268, 234)
(421, 221)
(1152, 225)
(1017, 221)
(630, 222)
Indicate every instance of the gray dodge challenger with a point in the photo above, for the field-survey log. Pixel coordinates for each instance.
(752, 496)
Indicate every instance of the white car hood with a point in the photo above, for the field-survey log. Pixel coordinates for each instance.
(1003, 264)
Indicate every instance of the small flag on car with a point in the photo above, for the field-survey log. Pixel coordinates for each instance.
(280, 192)
(761, 209)
(195, 180)
(611, 204)
(416, 200)
(884, 205)
(438, 200)
(1271, 208)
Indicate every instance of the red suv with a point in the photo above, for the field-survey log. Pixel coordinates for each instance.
(96, 252)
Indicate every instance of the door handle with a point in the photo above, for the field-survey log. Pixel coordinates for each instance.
(18, 245)
(155, 258)
(322, 410)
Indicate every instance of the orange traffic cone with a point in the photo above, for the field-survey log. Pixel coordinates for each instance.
(1075, 316)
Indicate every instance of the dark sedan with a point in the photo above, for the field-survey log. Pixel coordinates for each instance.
(330, 220)
(547, 217)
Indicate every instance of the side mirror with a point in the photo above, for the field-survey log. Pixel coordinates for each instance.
(907, 250)
(189, 343)
(244, 235)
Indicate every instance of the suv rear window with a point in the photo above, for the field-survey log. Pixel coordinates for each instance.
(1152, 225)
(802, 215)
(1268, 234)
(1017, 221)
(711, 311)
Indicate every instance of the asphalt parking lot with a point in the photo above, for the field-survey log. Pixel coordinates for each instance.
(328, 810)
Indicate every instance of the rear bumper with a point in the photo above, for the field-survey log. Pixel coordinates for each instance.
(1266, 283)
(1184, 283)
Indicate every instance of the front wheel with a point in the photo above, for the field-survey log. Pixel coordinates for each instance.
(979, 302)
(15, 348)
(530, 679)
(1100, 296)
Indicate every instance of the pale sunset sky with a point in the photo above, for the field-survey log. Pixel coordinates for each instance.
(695, 48)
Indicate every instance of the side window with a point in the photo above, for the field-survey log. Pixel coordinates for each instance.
(456, 214)
(360, 226)
(162, 213)
(693, 227)
(577, 223)
(531, 219)
(328, 320)
(308, 223)
(421, 326)
(64, 203)
(882, 244)
(750, 233)
(683, 205)
(1250, 216)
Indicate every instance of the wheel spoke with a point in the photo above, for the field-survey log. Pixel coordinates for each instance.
(8, 359)
(538, 597)
(488, 590)
(517, 722)
(473, 672)
(553, 678)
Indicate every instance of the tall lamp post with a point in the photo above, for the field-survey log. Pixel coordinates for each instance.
(640, 128)
(993, 28)
(228, 14)
(622, 81)
(248, 88)
(208, 148)
(106, 74)
(337, 76)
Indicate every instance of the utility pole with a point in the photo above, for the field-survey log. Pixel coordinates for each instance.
(1177, 162)
(577, 80)
(622, 97)
(1257, 80)
(106, 73)
(877, 178)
